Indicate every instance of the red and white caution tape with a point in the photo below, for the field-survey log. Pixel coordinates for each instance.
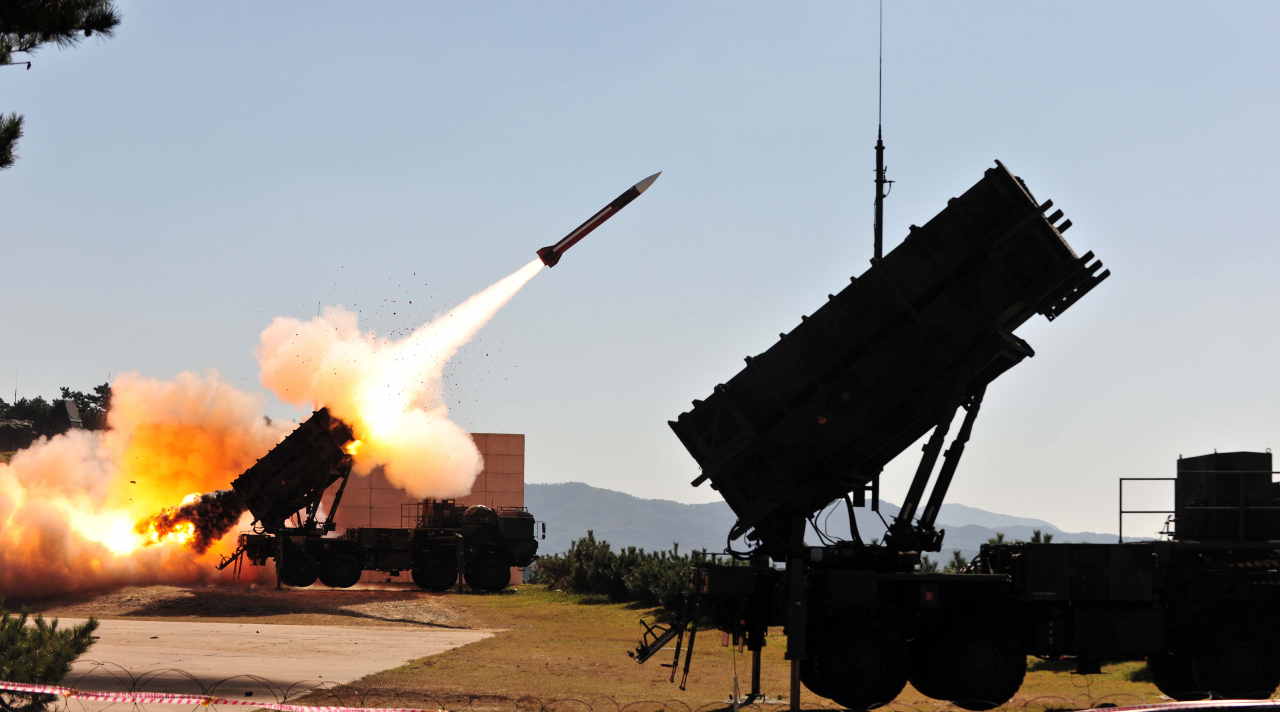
(1194, 705)
(167, 698)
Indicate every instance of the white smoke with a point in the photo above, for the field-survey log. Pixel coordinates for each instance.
(390, 391)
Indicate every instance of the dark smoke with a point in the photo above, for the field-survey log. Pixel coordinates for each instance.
(213, 515)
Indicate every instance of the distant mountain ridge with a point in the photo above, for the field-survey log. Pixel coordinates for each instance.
(571, 509)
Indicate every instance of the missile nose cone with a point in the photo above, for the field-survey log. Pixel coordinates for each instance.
(643, 185)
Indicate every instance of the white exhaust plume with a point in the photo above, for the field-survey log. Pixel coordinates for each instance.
(389, 391)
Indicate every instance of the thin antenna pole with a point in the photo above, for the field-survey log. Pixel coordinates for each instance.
(880, 179)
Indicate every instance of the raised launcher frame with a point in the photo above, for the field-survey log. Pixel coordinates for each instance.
(895, 353)
(283, 491)
(283, 485)
(815, 418)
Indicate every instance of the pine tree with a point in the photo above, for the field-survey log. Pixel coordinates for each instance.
(38, 652)
(10, 132)
(957, 562)
(27, 25)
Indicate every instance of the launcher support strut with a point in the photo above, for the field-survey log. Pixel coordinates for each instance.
(951, 460)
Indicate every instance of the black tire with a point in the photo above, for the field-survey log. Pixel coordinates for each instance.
(488, 574)
(436, 573)
(922, 672)
(981, 665)
(1237, 663)
(862, 667)
(300, 570)
(1174, 676)
(809, 677)
(419, 576)
(341, 571)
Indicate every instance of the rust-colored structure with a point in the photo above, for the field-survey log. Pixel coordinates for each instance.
(374, 502)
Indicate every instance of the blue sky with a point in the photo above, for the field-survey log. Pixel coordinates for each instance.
(215, 166)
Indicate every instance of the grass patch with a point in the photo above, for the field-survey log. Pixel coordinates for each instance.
(559, 645)
(1038, 665)
(567, 646)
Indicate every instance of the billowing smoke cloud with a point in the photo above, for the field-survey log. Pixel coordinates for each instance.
(69, 504)
(390, 391)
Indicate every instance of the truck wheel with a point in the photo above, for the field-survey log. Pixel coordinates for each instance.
(809, 676)
(324, 576)
(1173, 675)
(1237, 663)
(981, 665)
(341, 571)
(489, 574)
(863, 667)
(436, 573)
(300, 569)
(923, 669)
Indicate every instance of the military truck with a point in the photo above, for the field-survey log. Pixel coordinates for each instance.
(900, 352)
(481, 542)
(284, 492)
(1202, 604)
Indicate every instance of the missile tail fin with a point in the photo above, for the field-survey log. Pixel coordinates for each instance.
(549, 256)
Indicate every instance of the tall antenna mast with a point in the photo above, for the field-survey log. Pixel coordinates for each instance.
(880, 179)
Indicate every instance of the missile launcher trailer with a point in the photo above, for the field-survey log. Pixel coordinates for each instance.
(1203, 605)
(900, 352)
(284, 491)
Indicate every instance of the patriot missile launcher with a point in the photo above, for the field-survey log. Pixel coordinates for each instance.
(900, 352)
(284, 492)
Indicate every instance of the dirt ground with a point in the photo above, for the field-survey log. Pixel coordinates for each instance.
(550, 646)
(361, 606)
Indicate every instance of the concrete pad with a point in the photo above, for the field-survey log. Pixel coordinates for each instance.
(247, 660)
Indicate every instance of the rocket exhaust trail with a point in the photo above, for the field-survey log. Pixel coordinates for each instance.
(390, 392)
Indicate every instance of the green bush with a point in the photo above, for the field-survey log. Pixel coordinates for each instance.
(658, 578)
(39, 653)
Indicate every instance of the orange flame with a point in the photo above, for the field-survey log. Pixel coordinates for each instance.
(181, 534)
(70, 505)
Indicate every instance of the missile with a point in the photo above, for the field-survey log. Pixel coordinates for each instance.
(550, 254)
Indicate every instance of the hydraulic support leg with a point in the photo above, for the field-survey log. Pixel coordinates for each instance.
(755, 673)
(795, 686)
(279, 559)
(797, 622)
(688, 656)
